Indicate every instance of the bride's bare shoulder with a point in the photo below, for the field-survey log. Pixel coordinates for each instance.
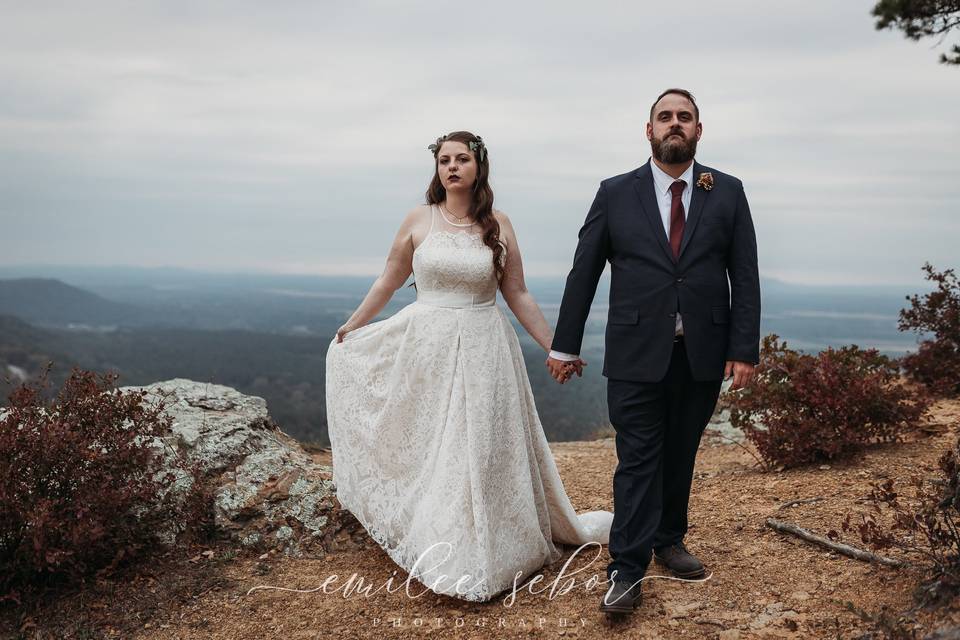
(506, 227)
(416, 217)
(417, 214)
(417, 223)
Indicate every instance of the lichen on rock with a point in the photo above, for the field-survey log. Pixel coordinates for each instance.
(268, 492)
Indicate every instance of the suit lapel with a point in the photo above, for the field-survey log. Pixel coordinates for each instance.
(697, 200)
(648, 203)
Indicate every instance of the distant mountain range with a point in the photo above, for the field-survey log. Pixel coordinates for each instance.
(267, 335)
(50, 302)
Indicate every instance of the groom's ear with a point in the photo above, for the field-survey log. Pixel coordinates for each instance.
(649, 131)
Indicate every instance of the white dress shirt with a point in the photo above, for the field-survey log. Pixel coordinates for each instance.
(661, 185)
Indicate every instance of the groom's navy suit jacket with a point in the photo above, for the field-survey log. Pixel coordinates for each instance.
(721, 319)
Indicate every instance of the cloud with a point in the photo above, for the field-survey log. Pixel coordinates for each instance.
(205, 135)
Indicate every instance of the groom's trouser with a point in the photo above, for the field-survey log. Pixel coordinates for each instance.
(658, 427)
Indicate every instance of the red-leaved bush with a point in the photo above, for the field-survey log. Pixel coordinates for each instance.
(803, 408)
(81, 489)
(936, 363)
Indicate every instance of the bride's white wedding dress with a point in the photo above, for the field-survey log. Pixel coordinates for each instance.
(437, 446)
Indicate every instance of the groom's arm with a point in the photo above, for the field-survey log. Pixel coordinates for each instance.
(589, 260)
(742, 269)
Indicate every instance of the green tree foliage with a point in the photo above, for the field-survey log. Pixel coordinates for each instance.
(920, 19)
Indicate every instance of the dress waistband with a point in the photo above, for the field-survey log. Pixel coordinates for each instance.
(454, 300)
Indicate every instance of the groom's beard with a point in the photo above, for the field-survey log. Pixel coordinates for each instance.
(673, 150)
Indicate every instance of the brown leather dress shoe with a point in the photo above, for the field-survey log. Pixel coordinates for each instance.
(679, 561)
(621, 597)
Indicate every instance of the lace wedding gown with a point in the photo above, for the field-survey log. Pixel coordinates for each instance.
(437, 446)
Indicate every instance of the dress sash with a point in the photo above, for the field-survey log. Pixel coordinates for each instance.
(454, 300)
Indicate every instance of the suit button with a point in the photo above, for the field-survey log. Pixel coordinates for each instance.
(679, 280)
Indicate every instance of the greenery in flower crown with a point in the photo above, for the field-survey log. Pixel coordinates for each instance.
(436, 145)
(476, 146)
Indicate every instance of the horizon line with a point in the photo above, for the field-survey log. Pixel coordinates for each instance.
(789, 279)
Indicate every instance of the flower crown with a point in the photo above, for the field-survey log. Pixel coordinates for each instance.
(476, 146)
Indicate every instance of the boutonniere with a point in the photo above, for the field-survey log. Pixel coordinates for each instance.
(705, 181)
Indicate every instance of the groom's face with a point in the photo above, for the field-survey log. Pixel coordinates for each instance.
(674, 130)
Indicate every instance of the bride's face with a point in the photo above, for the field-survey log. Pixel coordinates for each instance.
(456, 166)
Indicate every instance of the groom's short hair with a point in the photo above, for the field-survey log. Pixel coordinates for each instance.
(683, 92)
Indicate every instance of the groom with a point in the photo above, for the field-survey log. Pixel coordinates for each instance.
(674, 231)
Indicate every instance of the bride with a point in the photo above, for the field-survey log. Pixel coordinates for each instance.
(437, 446)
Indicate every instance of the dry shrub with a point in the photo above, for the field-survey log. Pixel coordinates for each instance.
(936, 363)
(82, 490)
(803, 408)
(925, 528)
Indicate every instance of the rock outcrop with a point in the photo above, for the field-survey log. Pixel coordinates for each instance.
(269, 494)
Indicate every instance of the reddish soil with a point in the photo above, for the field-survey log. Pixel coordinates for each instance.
(761, 583)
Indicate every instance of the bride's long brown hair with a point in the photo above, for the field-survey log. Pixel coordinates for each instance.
(481, 204)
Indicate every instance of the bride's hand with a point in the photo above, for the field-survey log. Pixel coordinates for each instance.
(343, 331)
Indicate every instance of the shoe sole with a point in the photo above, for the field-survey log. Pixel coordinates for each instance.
(614, 608)
(690, 574)
(615, 611)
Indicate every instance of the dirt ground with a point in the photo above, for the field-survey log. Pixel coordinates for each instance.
(760, 583)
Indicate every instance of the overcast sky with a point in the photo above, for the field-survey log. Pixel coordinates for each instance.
(291, 137)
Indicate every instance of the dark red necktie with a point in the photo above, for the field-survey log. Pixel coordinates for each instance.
(676, 216)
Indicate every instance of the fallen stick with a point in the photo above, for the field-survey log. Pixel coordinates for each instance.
(839, 547)
(787, 505)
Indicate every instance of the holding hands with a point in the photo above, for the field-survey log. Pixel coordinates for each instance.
(563, 370)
